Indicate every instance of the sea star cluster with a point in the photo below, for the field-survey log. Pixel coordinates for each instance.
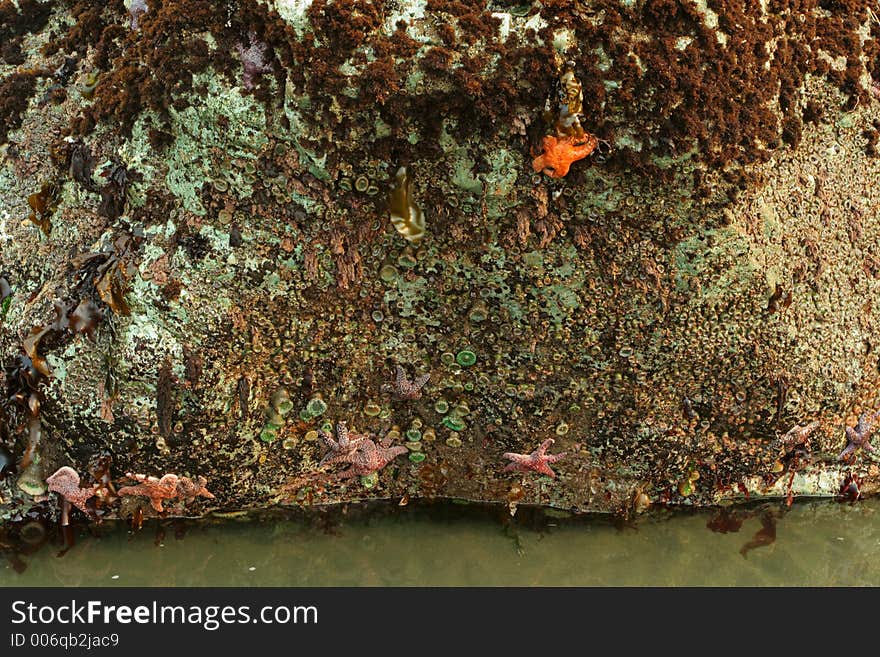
(364, 455)
(169, 487)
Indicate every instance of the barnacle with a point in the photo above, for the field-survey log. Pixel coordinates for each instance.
(407, 217)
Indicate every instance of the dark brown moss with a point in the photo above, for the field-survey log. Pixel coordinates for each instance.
(85, 32)
(160, 139)
(350, 23)
(171, 290)
(30, 16)
(734, 101)
(873, 138)
(813, 112)
(15, 92)
(792, 129)
(151, 68)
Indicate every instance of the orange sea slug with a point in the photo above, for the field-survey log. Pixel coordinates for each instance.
(559, 152)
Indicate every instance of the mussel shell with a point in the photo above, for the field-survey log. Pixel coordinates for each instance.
(7, 462)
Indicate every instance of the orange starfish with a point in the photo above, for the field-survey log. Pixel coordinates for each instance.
(559, 152)
(156, 489)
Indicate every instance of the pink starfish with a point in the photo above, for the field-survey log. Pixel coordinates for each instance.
(254, 60)
(364, 455)
(537, 461)
(189, 489)
(65, 482)
(341, 449)
(406, 389)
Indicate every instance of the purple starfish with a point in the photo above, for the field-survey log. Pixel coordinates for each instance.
(409, 389)
(364, 455)
(537, 461)
(859, 436)
(795, 437)
(254, 60)
(136, 9)
(342, 448)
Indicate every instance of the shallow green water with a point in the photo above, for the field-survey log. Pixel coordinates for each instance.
(816, 544)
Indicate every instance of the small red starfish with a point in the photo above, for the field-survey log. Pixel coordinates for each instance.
(191, 488)
(537, 461)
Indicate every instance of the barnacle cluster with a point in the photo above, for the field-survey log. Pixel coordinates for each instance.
(365, 183)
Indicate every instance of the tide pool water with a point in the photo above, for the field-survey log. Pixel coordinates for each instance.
(816, 544)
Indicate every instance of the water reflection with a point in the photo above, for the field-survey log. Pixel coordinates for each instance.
(818, 544)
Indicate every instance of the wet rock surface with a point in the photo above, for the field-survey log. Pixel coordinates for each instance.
(199, 272)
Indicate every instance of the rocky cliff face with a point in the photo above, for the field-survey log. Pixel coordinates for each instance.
(201, 275)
